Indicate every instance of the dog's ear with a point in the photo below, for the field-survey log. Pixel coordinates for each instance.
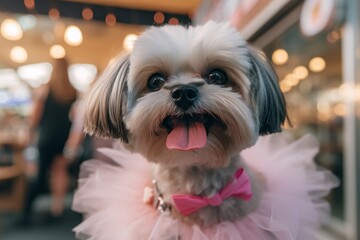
(266, 93)
(106, 102)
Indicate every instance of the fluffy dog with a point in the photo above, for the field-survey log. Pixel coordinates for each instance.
(189, 100)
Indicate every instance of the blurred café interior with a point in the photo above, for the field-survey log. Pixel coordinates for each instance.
(313, 44)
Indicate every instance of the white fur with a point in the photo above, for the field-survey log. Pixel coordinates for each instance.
(249, 104)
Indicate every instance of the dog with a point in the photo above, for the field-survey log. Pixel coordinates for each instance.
(190, 99)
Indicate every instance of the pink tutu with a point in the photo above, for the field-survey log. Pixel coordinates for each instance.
(110, 196)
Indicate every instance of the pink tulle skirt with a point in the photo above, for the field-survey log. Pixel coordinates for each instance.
(110, 195)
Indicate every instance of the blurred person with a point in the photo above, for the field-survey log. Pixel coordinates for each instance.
(51, 110)
(80, 146)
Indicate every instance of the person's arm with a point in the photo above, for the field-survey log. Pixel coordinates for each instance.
(38, 106)
(76, 135)
(35, 117)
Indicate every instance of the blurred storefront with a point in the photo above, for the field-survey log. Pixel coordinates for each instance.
(315, 48)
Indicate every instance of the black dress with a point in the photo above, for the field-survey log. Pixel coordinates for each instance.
(54, 128)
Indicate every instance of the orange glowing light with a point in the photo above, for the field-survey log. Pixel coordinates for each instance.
(159, 17)
(110, 19)
(173, 21)
(29, 4)
(87, 13)
(54, 13)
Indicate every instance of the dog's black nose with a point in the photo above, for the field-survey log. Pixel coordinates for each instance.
(185, 96)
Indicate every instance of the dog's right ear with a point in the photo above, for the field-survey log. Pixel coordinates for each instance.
(266, 91)
(105, 104)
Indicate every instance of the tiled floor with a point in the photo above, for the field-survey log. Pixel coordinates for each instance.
(40, 228)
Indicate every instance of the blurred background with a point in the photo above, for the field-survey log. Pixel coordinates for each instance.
(313, 44)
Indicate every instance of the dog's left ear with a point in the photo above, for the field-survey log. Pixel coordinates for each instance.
(266, 93)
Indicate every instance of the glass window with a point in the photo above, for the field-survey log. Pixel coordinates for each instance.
(310, 75)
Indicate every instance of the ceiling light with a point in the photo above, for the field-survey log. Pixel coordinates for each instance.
(317, 64)
(11, 30)
(129, 41)
(18, 55)
(73, 35)
(81, 75)
(57, 51)
(35, 74)
(280, 57)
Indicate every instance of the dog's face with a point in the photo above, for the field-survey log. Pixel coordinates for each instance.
(187, 96)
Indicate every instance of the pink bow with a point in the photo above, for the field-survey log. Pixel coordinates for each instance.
(239, 188)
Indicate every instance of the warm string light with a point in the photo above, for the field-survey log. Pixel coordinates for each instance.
(29, 4)
(54, 13)
(72, 34)
(159, 17)
(173, 21)
(87, 14)
(110, 19)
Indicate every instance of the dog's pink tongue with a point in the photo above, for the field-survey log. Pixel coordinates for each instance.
(187, 136)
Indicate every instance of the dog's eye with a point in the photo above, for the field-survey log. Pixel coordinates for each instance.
(216, 76)
(155, 82)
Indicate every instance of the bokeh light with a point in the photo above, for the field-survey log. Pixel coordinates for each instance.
(57, 51)
(129, 41)
(73, 35)
(11, 30)
(280, 57)
(317, 64)
(18, 54)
